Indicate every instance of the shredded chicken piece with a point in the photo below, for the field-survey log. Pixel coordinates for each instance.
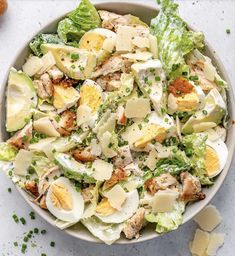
(86, 193)
(205, 84)
(66, 124)
(32, 187)
(111, 20)
(162, 182)
(22, 138)
(113, 64)
(110, 82)
(134, 224)
(191, 190)
(117, 175)
(42, 203)
(44, 86)
(68, 82)
(55, 74)
(124, 157)
(83, 155)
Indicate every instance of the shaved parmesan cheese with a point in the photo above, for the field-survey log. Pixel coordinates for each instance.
(209, 70)
(208, 218)
(48, 62)
(22, 162)
(63, 224)
(116, 197)
(45, 126)
(151, 160)
(141, 42)
(124, 38)
(109, 44)
(102, 170)
(215, 242)
(200, 242)
(95, 148)
(32, 65)
(163, 201)
(108, 126)
(212, 135)
(102, 121)
(137, 108)
(153, 46)
(162, 152)
(132, 134)
(83, 114)
(104, 143)
(143, 56)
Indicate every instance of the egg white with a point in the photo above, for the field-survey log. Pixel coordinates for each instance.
(129, 207)
(73, 215)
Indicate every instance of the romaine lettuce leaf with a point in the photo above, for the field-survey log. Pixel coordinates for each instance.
(41, 164)
(84, 18)
(40, 39)
(195, 146)
(7, 152)
(107, 233)
(174, 39)
(167, 221)
(175, 164)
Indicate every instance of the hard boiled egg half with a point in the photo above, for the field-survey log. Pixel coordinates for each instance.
(216, 156)
(91, 97)
(64, 202)
(100, 41)
(128, 208)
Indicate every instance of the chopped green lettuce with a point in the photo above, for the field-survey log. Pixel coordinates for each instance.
(107, 233)
(7, 152)
(73, 169)
(40, 39)
(41, 164)
(175, 40)
(90, 208)
(167, 221)
(195, 146)
(175, 164)
(84, 18)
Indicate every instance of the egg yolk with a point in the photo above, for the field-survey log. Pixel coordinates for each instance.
(60, 197)
(105, 208)
(151, 132)
(212, 164)
(90, 96)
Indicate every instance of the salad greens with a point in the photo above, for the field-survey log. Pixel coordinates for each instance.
(84, 18)
(175, 40)
(7, 152)
(40, 39)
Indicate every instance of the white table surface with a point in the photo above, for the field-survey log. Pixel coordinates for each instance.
(23, 19)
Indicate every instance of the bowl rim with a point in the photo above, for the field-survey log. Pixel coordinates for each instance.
(50, 219)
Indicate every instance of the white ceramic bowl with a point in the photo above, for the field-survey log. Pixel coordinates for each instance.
(145, 12)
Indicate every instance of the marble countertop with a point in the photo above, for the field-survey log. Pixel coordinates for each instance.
(23, 19)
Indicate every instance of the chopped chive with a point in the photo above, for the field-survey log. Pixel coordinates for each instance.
(15, 244)
(127, 89)
(74, 56)
(157, 78)
(43, 232)
(23, 248)
(204, 112)
(228, 31)
(22, 220)
(73, 66)
(9, 190)
(43, 254)
(52, 244)
(36, 230)
(32, 215)
(140, 126)
(26, 239)
(25, 138)
(15, 218)
(150, 82)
